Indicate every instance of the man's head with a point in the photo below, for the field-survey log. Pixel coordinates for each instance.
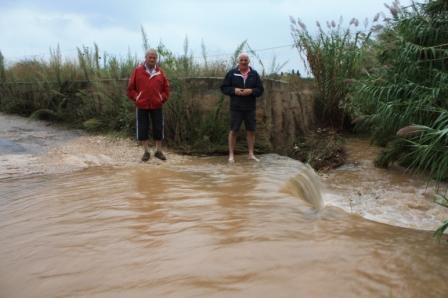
(151, 58)
(243, 61)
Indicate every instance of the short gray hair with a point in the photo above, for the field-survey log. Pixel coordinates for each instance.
(151, 51)
(243, 54)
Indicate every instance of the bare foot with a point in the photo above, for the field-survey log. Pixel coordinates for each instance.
(231, 159)
(252, 157)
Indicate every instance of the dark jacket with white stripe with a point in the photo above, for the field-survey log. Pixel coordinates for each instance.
(234, 79)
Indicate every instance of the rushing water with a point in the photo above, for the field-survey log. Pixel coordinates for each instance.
(199, 227)
(390, 196)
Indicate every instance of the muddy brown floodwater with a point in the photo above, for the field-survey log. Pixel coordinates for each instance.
(109, 226)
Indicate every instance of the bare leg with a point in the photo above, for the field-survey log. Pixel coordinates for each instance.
(232, 143)
(159, 154)
(158, 146)
(146, 156)
(145, 145)
(250, 144)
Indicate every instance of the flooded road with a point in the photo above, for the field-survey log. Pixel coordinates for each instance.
(197, 227)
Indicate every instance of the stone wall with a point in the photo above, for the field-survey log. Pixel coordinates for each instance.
(282, 113)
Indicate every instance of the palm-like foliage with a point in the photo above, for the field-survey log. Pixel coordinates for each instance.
(441, 200)
(405, 99)
(410, 89)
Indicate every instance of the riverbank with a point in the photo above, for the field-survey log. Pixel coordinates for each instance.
(32, 147)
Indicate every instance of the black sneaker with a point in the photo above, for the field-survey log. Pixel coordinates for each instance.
(160, 155)
(146, 156)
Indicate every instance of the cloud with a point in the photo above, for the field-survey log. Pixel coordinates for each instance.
(31, 27)
(30, 32)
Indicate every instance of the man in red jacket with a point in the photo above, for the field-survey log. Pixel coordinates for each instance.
(148, 88)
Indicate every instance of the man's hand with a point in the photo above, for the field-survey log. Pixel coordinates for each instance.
(247, 92)
(239, 92)
(243, 92)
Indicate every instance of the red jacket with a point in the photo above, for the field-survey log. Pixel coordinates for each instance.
(148, 92)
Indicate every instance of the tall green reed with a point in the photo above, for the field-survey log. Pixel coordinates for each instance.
(333, 55)
(409, 90)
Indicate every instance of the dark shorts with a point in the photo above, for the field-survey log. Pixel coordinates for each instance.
(237, 117)
(142, 124)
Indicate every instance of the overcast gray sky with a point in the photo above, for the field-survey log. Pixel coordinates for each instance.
(29, 28)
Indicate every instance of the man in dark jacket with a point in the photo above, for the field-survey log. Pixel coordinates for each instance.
(243, 85)
(148, 88)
